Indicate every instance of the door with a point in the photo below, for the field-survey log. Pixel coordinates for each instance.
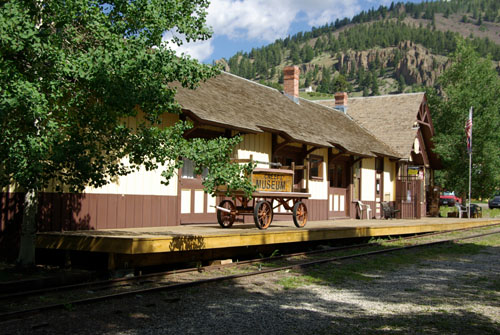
(337, 190)
(408, 195)
(195, 205)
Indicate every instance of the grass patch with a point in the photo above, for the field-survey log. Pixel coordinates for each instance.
(369, 268)
(293, 282)
(366, 269)
(487, 213)
(316, 96)
(444, 210)
(492, 213)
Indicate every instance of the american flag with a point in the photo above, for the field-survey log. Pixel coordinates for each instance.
(468, 131)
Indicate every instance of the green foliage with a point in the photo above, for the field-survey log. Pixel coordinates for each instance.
(274, 85)
(339, 84)
(307, 53)
(401, 83)
(374, 85)
(72, 72)
(470, 81)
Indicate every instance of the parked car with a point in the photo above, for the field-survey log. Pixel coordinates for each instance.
(449, 199)
(494, 201)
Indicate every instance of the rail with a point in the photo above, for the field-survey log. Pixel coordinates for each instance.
(161, 286)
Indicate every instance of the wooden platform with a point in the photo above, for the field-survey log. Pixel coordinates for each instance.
(171, 240)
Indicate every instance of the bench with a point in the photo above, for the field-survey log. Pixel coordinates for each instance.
(389, 211)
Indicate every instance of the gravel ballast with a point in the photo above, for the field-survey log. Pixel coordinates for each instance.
(457, 294)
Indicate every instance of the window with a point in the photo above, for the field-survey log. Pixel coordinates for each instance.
(336, 173)
(316, 167)
(379, 164)
(340, 176)
(188, 170)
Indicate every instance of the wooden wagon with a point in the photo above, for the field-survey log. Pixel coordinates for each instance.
(274, 188)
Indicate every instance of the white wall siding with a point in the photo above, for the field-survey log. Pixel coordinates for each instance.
(319, 188)
(368, 179)
(141, 182)
(259, 146)
(389, 180)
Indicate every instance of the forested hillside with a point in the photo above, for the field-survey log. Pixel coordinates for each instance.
(392, 49)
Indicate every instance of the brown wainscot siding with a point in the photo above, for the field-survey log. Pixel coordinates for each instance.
(11, 215)
(316, 209)
(65, 211)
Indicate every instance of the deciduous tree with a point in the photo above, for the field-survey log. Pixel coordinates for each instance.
(72, 71)
(471, 81)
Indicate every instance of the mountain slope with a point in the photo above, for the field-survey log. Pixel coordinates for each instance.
(388, 50)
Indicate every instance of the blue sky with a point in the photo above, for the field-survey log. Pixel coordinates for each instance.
(240, 25)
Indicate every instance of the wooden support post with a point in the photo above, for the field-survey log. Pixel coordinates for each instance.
(306, 174)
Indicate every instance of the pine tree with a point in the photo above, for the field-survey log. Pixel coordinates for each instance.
(401, 83)
(374, 85)
(281, 77)
(365, 91)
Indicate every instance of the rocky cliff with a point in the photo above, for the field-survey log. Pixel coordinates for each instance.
(415, 63)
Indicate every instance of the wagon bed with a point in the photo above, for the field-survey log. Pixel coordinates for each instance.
(274, 189)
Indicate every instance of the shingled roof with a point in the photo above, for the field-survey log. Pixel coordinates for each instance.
(391, 118)
(233, 102)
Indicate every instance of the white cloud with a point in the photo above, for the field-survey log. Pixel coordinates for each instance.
(267, 20)
(257, 19)
(264, 20)
(199, 50)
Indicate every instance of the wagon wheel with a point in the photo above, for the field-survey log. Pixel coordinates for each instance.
(263, 214)
(299, 214)
(226, 219)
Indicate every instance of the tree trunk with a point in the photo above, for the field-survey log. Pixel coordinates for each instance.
(26, 256)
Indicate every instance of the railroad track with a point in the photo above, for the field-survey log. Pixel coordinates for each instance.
(87, 293)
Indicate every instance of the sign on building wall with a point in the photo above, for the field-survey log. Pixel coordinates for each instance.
(416, 171)
(272, 181)
(413, 170)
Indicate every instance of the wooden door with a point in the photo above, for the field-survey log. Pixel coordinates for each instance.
(408, 194)
(195, 205)
(337, 190)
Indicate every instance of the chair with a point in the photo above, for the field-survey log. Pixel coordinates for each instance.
(476, 211)
(389, 211)
(366, 208)
(461, 209)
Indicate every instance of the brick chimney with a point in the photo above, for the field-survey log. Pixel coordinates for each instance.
(341, 101)
(291, 82)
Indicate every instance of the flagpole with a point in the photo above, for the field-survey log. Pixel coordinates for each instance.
(470, 179)
(470, 161)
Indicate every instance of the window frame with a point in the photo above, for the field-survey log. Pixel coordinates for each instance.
(320, 160)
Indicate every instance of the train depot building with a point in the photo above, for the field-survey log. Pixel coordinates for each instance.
(350, 155)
